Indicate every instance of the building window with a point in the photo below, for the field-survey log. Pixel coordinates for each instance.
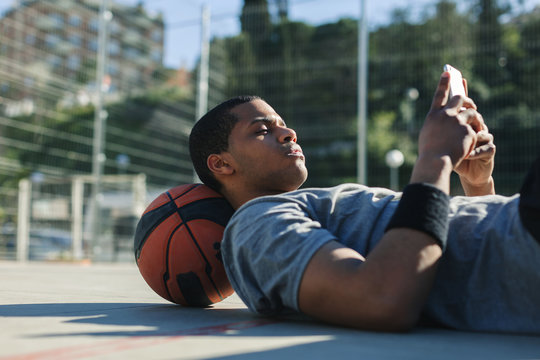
(30, 39)
(51, 40)
(74, 62)
(75, 39)
(115, 27)
(112, 68)
(57, 19)
(94, 24)
(156, 55)
(4, 87)
(75, 20)
(132, 37)
(93, 44)
(54, 61)
(114, 47)
(157, 35)
(132, 53)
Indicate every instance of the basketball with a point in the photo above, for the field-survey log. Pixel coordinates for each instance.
(177, 245)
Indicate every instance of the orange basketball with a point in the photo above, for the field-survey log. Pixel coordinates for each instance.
(177, 245)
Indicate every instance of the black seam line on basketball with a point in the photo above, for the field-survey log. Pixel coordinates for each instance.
(167, 209)
(169, 196)
(167, 274)
(139, 241)
(184, 193)
(198, 209)
(170, 206)
(208, 265)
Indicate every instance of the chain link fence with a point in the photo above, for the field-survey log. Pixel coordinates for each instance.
(50, 89)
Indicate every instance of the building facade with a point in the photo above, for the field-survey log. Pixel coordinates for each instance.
(56, 42)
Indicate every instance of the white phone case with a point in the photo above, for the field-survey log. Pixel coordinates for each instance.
(456, 81)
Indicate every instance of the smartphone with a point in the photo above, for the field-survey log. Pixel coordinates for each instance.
(456, 81)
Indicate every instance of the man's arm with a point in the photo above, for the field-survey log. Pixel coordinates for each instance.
(384, 292)
(387, 290)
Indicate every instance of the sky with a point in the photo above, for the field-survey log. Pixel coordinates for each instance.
(182, 18)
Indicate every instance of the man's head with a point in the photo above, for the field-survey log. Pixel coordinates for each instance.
(243, 149)
(210, 135)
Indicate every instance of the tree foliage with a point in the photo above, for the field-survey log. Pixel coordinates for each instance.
(309, 74)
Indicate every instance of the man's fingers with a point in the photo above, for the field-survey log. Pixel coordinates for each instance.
(440, 98)
(485, 148)
(473, 118)
(485, 151)
(441, 93)
(484, 137)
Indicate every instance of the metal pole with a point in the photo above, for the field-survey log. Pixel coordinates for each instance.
(394, 159)
(202, 87)
(77, 196)
(202, 84)
(23, 219)
(362, 94)
(139, 195)
(394, 178)
(100, 117)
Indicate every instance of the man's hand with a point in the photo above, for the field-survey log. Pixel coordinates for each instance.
(448, 136)
(475, 171)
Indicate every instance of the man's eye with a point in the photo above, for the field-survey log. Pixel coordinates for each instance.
(262, 132)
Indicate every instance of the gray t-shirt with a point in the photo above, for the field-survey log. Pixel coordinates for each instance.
(488, 276)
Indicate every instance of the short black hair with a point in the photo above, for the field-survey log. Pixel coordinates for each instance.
(210, 135)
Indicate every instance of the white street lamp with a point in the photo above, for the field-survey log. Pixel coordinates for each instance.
(394, 159)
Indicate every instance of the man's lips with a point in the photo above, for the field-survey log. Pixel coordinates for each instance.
(296, 151)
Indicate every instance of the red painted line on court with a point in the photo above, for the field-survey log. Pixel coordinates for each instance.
(108, 347)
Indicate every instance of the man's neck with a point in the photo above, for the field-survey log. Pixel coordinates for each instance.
(239, 198)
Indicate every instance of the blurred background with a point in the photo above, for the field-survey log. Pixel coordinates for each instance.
(97, 98)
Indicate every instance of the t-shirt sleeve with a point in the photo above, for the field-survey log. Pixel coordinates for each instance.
(266, 248)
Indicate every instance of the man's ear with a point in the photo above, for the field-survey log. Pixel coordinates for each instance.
(218, 165)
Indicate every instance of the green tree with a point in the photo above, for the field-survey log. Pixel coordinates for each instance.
(309, 74)
(255, 19)
(241, 66)
(528, 57)
(491, 55)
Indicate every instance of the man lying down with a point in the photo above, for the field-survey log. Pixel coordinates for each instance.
(371, 258)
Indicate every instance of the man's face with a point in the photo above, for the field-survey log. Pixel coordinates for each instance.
(264, 152)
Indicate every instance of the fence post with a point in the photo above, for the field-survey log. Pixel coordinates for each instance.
(23, 219)
(100, 118)
(202, 84)
(139, 194)
(77, 188)
(363, 39)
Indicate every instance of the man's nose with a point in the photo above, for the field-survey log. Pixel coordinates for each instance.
(288, 135)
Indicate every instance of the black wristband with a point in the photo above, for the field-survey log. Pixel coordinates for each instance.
(425, 208)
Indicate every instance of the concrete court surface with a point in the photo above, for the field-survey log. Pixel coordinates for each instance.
(106, 311)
